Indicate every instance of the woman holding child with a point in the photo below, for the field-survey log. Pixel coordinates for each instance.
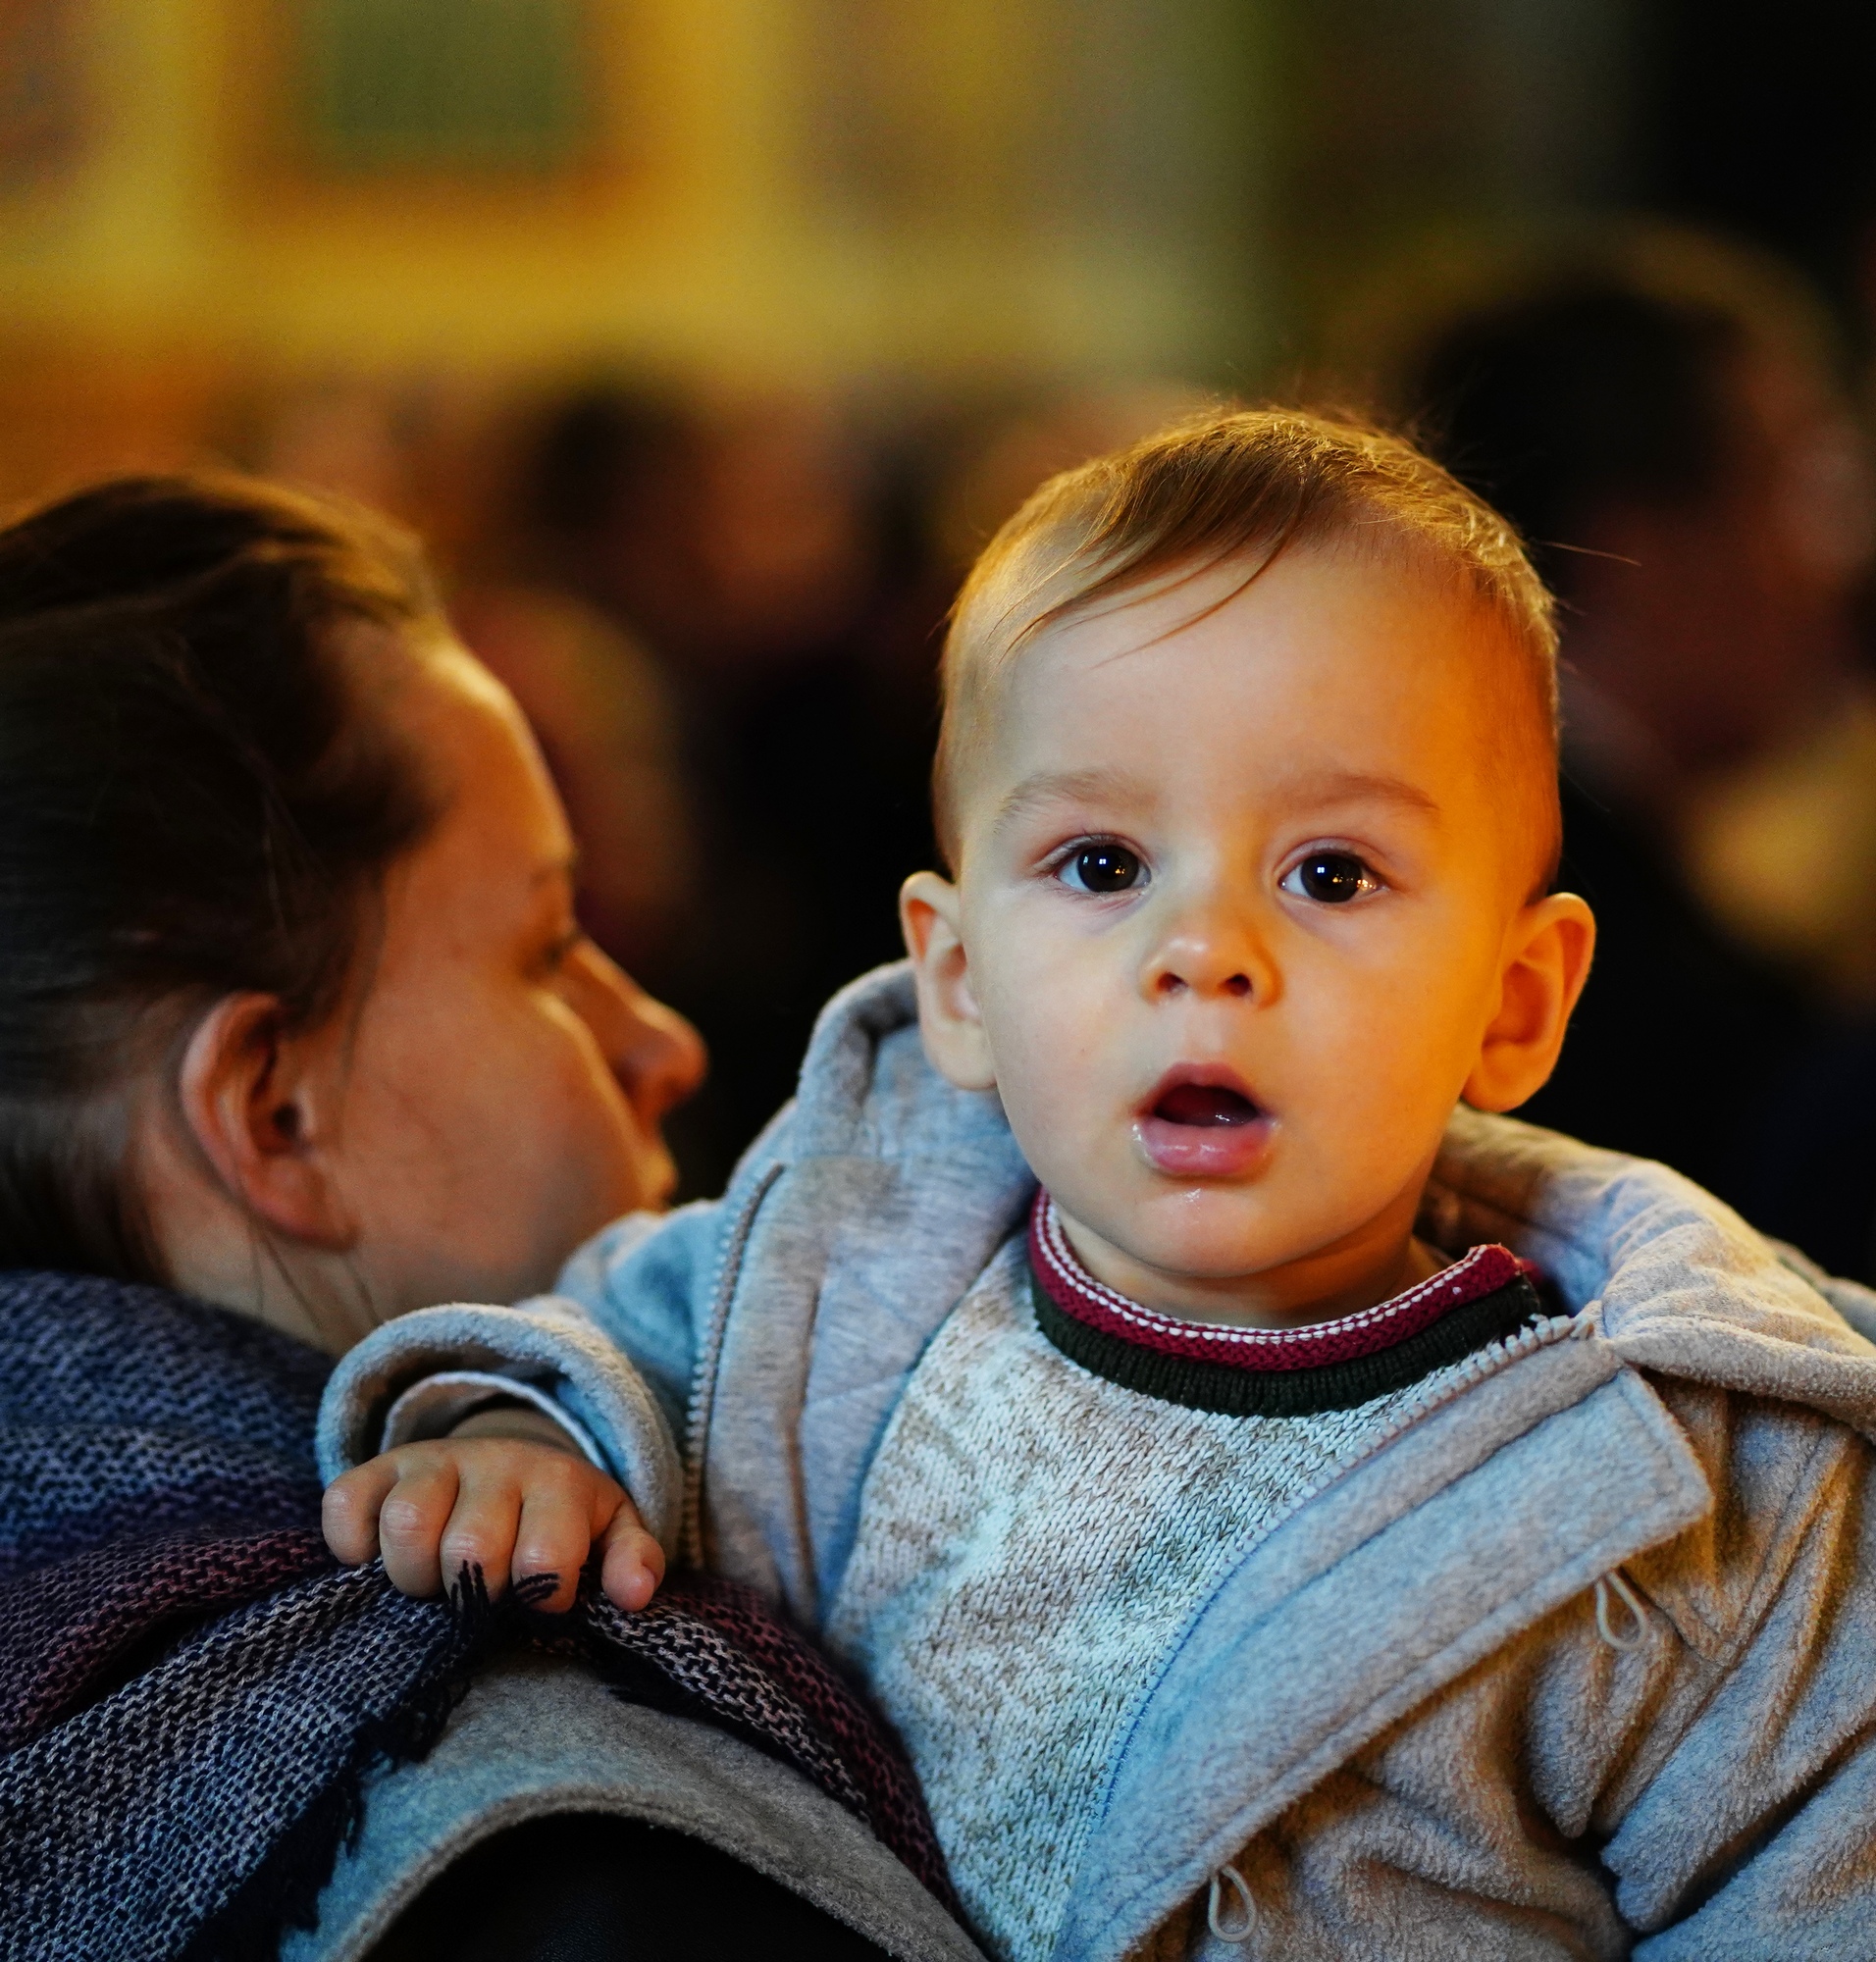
(1279, 1517)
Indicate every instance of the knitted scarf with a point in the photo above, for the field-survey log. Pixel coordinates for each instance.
(192, 1691)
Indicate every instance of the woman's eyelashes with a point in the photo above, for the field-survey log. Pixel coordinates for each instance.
(1101, 866)
(561, 949)
(1330, 878)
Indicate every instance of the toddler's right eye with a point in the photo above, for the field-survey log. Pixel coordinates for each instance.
(1104, 868)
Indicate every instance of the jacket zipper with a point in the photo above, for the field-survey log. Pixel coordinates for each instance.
(697, 1427)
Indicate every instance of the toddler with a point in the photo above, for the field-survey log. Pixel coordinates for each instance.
(1283, 1510)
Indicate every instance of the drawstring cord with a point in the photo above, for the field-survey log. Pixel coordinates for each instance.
(1612, 1582)
(1240, 1932)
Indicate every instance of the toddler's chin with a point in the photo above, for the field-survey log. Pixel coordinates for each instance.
(1196, 1233)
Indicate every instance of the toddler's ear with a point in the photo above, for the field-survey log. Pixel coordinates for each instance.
(1547, 963)
(948, 1015)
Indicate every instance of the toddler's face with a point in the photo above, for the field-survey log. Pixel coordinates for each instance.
(1234, 921)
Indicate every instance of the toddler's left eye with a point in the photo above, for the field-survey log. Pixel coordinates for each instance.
(1331, 878)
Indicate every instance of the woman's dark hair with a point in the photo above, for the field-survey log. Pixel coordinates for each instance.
(196, 798)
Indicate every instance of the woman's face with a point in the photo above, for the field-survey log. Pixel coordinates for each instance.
(502, 1080)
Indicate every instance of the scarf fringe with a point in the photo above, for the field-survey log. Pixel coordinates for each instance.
(282, 1893)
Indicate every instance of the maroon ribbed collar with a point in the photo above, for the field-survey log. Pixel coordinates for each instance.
(1481, 1272)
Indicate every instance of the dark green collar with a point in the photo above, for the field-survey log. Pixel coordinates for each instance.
(1234, 1391)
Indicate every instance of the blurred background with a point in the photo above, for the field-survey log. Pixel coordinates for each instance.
(707, 339)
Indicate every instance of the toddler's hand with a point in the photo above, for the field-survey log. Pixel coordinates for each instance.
(511, 1508)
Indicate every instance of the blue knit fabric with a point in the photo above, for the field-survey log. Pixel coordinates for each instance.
(186, 1756)
(191, 1690)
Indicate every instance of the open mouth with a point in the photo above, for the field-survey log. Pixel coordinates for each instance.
(1203, 1123)
(1205, 1106)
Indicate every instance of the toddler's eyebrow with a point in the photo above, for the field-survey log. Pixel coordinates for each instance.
(1352, 786)
(1066, 787)
(1119, 787)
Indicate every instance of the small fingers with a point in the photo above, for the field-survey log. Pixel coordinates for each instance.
(634, 1562)
(348, 1513)
(513, 1509)
(412, 1520)
(483, 1523)
(555, 1532)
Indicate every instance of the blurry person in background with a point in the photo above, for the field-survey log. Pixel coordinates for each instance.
(1664, 426)
(598, 704)
(732, 535)
(608, 726)
(991, 466)
(755, 550)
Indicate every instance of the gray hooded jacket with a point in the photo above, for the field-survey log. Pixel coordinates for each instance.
(1410, 1719)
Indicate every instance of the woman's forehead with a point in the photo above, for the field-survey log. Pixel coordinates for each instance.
(501, 816)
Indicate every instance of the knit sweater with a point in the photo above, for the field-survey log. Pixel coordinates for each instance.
(1063, 1482)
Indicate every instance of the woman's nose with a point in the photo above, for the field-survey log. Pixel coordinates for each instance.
(665, 1060)
(658, 1056)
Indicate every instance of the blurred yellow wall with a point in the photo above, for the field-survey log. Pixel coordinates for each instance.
(738, 235)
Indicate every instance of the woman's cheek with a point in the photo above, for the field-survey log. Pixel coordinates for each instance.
(597, 1141)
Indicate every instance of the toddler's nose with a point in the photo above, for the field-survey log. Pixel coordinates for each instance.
(1171, 983)
(1219, 959)
(1209, 949)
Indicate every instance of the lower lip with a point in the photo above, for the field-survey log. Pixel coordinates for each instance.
(1202, 1150)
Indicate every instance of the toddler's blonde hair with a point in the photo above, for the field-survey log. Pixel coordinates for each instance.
(1244, 485)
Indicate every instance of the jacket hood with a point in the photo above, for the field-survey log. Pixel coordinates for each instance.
(1677, 1280)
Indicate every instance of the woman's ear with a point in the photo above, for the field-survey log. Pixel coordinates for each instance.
(948, 1020)
(258, 1100)
(1547, 963)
